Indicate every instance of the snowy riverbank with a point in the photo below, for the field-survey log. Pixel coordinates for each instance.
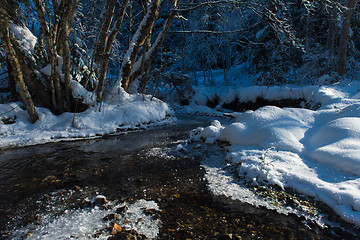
(129, 112)
(315, 152)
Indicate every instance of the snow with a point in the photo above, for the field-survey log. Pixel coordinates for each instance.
(126, 112)
(316, 153)
(26, 39)
(323, 95)
(269, 127)
(47, 69)
(212, 132)
(222, 183)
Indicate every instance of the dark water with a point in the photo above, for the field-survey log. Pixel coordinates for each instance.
(134, 166)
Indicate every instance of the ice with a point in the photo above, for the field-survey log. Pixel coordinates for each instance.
(141, 222)
(222, 183)
(89, 224)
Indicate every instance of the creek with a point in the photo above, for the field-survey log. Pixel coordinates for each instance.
(41, 186)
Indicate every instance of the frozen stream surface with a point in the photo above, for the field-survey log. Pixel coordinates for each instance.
(158, 184)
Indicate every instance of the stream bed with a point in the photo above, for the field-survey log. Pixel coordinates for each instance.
(153, 185)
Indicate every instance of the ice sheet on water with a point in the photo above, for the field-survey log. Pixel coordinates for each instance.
(160, 152)
(221, 183)
(80, 224)
(87, 223)
(141, 222)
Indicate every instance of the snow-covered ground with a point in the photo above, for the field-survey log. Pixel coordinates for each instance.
(126, 112)
(315, 152)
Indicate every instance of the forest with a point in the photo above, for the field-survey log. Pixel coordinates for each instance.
(48, 47)
(179, 119)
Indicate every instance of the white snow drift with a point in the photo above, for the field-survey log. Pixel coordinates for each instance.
(317, 153)
(127, 111)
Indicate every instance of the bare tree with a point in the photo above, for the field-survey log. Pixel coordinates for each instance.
(108, 40)
(50, 38)
(56, 33)
(103, 34)
(64, 49)
(136, 44)
(14, 63)
(142, 66)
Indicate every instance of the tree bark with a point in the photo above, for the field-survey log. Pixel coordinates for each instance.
(144, 63)
(56, 37)
(106, 56)
(51, 51)
(344, 37)
(104, 33)
(331, 39)
(136, 44)
(12, 84)
(15, 66)
(65, 27)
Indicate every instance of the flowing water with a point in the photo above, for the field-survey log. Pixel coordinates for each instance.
(46, 192)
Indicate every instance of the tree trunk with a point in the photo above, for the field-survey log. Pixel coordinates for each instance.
(65, 27)
(51, 51)
(59, 106)
(331, 39)
(12, 84)
(56, 37)
(104, 33)
(66, 71)
(15, 66)
(344, 37)
(106, 56)
(136, 43)
(144, 63)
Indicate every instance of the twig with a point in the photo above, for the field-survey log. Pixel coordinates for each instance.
(10, 110)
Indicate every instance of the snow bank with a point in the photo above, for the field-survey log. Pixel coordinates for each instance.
(317, 153)
(269, 127)
(211, 133)
(324, 96)
(129, 111)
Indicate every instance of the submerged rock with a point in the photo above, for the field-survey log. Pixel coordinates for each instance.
(122, 210)
(99, 200)
(51, 179)
(116, 228)
(111, 217)
(127, 235)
